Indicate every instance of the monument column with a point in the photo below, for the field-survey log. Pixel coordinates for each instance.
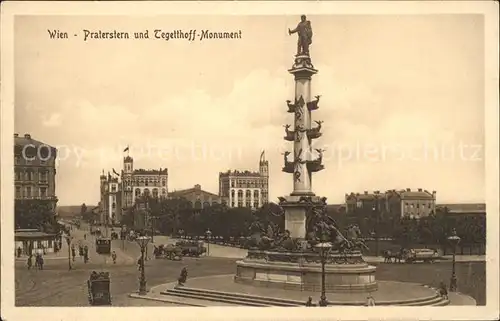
(302, 71)
(301, 163)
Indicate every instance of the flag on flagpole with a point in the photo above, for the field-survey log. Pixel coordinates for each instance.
(126, 149)
(115, 172)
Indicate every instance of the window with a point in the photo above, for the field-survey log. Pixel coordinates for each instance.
(17, 160)
(232, 193)
(164, 183)
(248, 204)
(137, 192)
(43, 176)
(113, 206)
(18, 175)
(146, 191)
(232, 204)
(248, 194)
(155, 192)
(146, 182)
(18, 191)
(256, 204)
(43, 192)
(232, 183)
(113, 188)
(240, 203)
(256, 194)
(240, 194)
(28, 191)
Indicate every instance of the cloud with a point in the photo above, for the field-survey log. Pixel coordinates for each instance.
(54, 120)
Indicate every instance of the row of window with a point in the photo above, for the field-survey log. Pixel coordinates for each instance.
(147, 192)
(17, 161)
(31, 175)
(31, 191)
(248, 193)
(248, 184)
(247, 204)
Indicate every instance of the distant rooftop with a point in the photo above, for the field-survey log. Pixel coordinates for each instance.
(240, 173)
(465, 207)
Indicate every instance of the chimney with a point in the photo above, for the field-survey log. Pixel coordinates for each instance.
(408, 189)
(366, 192)
(197, 187)
(419, 189)
(16, 135)
(27, 136)
(377, 192)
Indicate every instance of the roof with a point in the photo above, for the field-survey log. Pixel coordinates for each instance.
(21, 141)
(151, 171)
(465, 208)
(26, 234)
(194, 190)
(240, 173)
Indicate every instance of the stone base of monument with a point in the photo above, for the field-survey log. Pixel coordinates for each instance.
(302, 271)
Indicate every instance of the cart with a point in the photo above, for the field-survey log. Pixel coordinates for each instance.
(103, 245)
(98, 288)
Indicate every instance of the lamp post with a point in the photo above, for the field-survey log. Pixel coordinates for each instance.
(324, 248)
(454, 239)
(209, 234)
(376, 213)
(143, 242)
(68, 240)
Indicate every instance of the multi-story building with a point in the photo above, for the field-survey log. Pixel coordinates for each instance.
(110, 204)
(142, 182)
(393, 203)
(198, 197)
(120, 191)
(34, 170)
(245, 188)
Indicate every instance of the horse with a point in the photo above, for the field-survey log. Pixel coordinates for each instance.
(389, 255)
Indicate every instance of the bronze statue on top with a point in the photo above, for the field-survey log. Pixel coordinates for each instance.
(305, 33)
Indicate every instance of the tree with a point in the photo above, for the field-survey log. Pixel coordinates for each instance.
(35, 214)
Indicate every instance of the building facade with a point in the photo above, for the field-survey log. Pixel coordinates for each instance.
(392, 203)
(34, 170)
(245, 188)
(199, 198)
(120, 191)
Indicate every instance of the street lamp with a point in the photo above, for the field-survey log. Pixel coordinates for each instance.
(376, 212)
(143, 242)
(68, 240)
(209, 234)
(324, 248)
(454, 239)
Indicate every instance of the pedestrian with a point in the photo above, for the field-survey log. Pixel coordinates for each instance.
(41, 262)
(73, 253)
(30, 261)
(370, 301)
(309, 302)
(113, 255)
(19, 251)
(183, 277)
(443, 291)
(84, 236)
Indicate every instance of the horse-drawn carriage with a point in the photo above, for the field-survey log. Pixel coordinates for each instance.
(103, 245)
(191, 248)
(168, 251)
(424, 255)
(99, 289)
(410, 255)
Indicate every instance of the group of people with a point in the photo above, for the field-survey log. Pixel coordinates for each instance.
(83, 251)
(38, 261)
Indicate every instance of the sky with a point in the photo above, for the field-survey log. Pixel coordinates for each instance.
(402, 100)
